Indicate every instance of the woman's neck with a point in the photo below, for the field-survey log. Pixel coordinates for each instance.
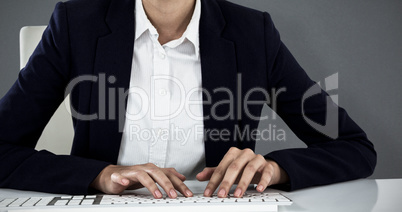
(170, 17)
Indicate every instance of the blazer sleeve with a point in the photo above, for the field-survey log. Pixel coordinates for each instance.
(337, 151)
(25, 111)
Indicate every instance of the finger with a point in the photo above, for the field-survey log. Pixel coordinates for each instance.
(220, 171)
(119, 179)
(149, 183)
(266, 177)
(249, 173)
(177, 174)
(205, 174)
(179, 185)
(234, 170)
(161, 178)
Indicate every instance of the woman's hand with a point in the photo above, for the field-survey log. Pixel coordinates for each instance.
(242, 167)
(115, 179)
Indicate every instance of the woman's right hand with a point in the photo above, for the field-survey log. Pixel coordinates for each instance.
(115, 179)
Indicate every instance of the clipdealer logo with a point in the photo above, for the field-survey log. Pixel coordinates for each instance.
(331, 127)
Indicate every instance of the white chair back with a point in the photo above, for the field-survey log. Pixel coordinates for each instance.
(58, 134)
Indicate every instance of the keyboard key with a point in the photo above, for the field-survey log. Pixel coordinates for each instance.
(74, 202)
(110, 196)
(202, 200)
(44, 201)
(145, 202)
(87, 202)
(61, 203)
(6, 202)
(105, 203)
(243, 200)
(31, 202)
(119, 203)
(133, 201)
(90, 196)
(18, 202)
(229, 200)
(159, 201)
(256, 200)
(66, 197)
(78, 197)
(215, 200)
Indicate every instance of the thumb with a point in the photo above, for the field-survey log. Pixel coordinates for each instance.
(119, 179)
(205, 174)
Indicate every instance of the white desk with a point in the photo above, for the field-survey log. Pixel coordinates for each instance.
(353, 196)
(361, 195)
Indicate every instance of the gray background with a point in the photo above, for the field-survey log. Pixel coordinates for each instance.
(360, 39)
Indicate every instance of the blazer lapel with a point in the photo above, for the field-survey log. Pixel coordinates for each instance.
(219, 80)
(113, 68)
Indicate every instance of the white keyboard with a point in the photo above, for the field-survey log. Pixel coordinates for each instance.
(129, 202)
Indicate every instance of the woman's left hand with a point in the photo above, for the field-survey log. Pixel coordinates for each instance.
(242, 167)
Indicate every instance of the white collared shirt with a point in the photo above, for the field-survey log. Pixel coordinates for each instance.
(164, 124)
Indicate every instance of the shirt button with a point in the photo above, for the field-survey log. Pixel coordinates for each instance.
(162, 55)
(162, 92)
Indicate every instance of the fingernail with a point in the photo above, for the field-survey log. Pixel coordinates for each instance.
(173, 193)
(124, 181)
(207, 192)
(158, 194)
(222, 193)
(260, 188)
(189, 193)
(237, 193)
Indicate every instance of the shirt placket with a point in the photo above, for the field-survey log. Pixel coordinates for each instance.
(161, 106)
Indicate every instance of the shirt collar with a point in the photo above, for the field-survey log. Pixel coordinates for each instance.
(142, 22)
(192, 32)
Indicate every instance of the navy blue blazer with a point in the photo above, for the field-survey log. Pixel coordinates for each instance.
(93, 37)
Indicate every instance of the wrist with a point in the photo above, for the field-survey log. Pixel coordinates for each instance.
(100, 180)
(280, 175)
